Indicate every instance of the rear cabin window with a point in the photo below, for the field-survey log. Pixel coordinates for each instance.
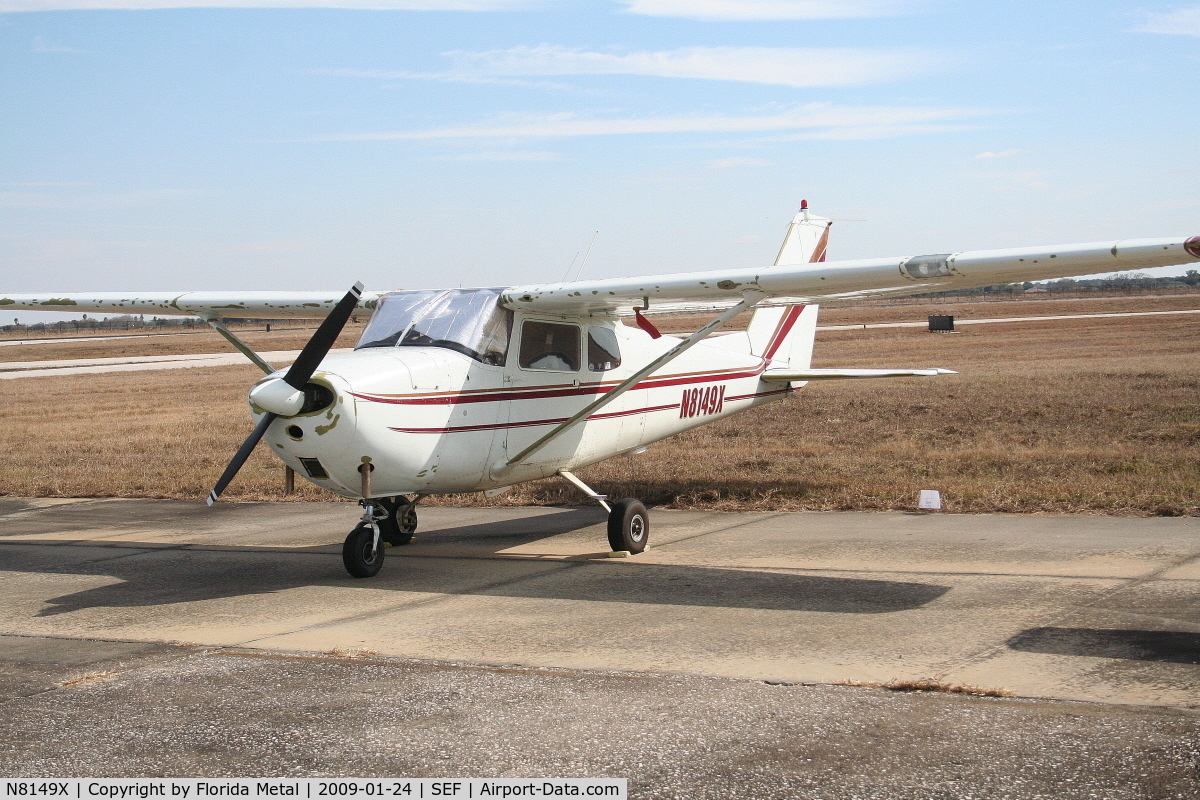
(603, 352)
(549, 346)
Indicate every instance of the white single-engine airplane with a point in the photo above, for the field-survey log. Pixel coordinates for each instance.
(463, 390)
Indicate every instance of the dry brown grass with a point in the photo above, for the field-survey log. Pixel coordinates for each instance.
(1097, 416)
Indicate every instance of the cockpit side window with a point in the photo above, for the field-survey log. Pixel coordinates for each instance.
(549, 346)
(603, 351)
(469, 321)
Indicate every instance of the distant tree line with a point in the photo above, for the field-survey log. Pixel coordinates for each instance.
(128, 321)
(1121, 282)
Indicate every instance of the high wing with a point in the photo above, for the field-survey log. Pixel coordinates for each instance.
(805, 282)
(857, 278)
(207, 305)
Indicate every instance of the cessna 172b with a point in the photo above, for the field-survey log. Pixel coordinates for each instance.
(462, 390)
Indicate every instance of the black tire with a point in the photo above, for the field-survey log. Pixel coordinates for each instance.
(628, 526)
(398, 524)
(359, 554)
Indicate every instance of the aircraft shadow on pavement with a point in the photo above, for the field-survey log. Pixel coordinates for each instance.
(1172, 647)
(160, 576)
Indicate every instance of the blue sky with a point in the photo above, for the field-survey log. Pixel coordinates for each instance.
(156, 145)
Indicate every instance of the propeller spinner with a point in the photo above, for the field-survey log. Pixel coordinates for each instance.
(285, 396)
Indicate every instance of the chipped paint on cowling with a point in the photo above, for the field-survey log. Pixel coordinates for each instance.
(4, 301)
(728, 285)
(321, 430)
(58, 301)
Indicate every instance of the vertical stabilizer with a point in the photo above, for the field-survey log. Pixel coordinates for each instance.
(784, 335)
(806, 239)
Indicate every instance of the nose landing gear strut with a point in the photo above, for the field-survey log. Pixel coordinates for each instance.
(384, 519)
(390, 520)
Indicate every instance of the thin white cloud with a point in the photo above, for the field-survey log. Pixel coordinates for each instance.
(727, 163)
(449, 77)
(755, 10)
(821, 120)
(778, 66)
(505, 155)
(48, 184)
(8, 6)
(1181, 22)
(1001, 154)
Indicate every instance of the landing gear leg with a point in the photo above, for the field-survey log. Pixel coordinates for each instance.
(628, 521)
(362, 552)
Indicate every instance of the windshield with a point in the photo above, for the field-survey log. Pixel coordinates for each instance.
(469, 321)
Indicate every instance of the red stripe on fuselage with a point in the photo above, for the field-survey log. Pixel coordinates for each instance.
(532, 422)
(540, 392)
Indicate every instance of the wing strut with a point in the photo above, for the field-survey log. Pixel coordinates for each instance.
(242, 347)
(748, 299)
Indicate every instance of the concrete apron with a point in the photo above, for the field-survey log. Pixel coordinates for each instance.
(1068, 607)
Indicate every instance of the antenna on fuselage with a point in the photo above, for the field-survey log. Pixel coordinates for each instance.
(567, 274)
(585, 255)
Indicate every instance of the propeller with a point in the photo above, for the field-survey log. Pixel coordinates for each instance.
(297, 376)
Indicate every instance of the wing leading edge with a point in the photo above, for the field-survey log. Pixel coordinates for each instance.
(804, 282)
(207, 305)
(859, 278)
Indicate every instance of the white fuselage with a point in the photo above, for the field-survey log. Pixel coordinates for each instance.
(433, 420)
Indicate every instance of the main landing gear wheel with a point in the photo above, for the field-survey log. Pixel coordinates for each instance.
(360, 555)
(398, 520)
(628, 526)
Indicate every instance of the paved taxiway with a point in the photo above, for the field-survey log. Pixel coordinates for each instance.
(503, 642)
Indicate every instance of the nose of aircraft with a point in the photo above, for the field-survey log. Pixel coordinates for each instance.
(315, 439)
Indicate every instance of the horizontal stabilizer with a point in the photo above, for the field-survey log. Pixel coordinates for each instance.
(790, 375)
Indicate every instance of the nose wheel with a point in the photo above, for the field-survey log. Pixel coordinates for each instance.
(362, 552)
(385, 519)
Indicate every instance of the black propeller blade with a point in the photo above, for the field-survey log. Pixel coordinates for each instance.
(297, 376)
(321, 342)
(241, 455)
